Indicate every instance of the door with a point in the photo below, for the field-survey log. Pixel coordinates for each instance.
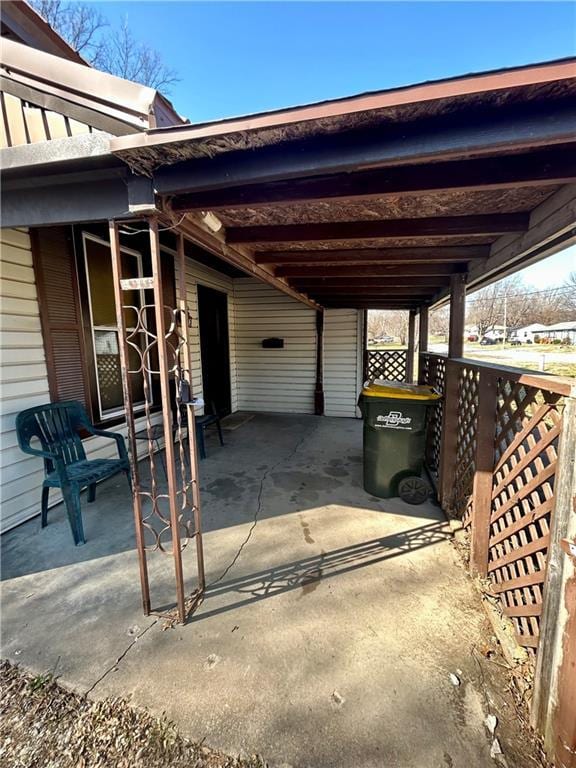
(214, 349)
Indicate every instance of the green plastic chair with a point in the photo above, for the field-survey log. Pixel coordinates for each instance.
(56, 426)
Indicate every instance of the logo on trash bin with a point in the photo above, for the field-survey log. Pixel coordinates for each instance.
(394, 420)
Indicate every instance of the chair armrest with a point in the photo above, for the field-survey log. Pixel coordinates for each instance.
(42, 454)
(122, 453)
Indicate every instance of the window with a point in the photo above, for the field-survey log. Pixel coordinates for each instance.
(104, 326)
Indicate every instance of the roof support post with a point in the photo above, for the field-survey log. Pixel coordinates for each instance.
(457, 315)
(411, 346)
(422, 339)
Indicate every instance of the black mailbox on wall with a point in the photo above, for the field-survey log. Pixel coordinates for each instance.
(273, 343)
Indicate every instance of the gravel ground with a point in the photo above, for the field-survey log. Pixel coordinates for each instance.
(43, 725)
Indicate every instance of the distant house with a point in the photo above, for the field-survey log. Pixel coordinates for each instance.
(527, 333)
(565, 330)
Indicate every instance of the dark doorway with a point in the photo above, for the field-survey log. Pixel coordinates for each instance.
(214, 348)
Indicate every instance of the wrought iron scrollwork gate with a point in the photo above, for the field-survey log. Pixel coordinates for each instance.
(154, 347)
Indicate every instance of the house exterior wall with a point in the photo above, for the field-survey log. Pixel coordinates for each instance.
(274, 380)
(342, 361)
(23, 376)
(283, 380)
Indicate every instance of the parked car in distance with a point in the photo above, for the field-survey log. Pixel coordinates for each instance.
(514, 342)
(472, 337)
(384, 340)
(487, 341)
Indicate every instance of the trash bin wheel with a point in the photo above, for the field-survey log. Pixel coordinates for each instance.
(413, 490)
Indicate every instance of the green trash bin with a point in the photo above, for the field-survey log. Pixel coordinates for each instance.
(394, 438)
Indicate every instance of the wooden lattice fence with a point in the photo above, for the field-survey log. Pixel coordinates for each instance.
(432, 371)
(387, 364)
(496, 451)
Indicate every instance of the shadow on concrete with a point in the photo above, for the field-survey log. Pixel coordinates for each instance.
(307, 573)
(273, 466)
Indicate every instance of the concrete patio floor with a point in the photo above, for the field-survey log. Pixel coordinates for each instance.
(328, 643)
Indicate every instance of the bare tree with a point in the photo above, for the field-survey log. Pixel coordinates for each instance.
(376, 323)
(79, 24)
(505, 302)
(439, 321)
(568, 297)
(122, 55)
(115, 51)
(397, 324)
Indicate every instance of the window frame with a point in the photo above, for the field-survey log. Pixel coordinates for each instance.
(108, 415)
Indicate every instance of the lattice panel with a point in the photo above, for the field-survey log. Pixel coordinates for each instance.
(468, 381)
(435, 375)
(529, 422)
(387, 364)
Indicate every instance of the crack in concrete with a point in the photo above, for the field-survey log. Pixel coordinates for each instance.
(119, 659)
(234, 560)
(263, 479)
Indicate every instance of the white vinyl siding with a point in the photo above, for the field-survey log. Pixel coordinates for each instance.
(24, 384)
(23, 376)
(197, 273)
(342, 361)
(274, 380)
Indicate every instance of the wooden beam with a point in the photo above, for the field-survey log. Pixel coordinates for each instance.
(367, 290)
(368, 305)
(545, 167)
(433, 281)
(374, 270)
(437, 254)
(447, 137)
(551, 229)
(457, 315)
(442, 226)
(196, 231)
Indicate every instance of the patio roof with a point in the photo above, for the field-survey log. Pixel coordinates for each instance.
(379, 199)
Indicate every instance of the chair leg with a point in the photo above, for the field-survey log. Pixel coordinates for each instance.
(200, 441)
(44, 515)
(91, 493)
(162, 459)
(219, 428)
(74, 509)
(129, 478)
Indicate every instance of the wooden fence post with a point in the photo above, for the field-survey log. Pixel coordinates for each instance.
(554, 702)
(483, 473)
(449, 435)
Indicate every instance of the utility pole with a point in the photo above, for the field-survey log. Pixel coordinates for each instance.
(505, 320)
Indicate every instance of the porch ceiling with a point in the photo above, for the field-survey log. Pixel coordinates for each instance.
(351, 212)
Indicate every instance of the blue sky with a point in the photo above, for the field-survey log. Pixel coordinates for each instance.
(236, 58)
(240, 57)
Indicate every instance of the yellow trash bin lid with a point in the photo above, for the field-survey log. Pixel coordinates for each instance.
(397, 390)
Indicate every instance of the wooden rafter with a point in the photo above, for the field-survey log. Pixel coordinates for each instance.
(365, 270)
(433, 281)
(545, 167)
(442, 226)
(438, 254)
(371, 291)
